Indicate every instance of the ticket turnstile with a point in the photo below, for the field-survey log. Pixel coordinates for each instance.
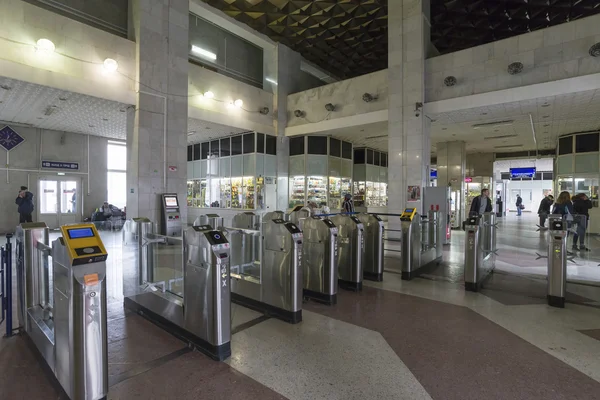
(170, 215)
(271, 215)
(373, 267)
(275, 286)
(557, 261)
(319, 260)
(351, 251)
(480, 256)
(68, 327)
(298, 213)
(422, 241)
(246, 220)
(214, 220)
(201, 314)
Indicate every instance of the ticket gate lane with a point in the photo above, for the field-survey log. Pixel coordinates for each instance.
(201, 313)
(351, 251)
(373, 232)
(70, 333)
(557, 261)
(319, 265)
(480, 250)
(422, 242)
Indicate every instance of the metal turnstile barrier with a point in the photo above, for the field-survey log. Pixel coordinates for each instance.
(214, 220)
(183, 284)
(68, 324)
(557, 261)
(373, 232)
(319, 260)
(480, 250)
(246, 220)
(298, 213)
(422, 241)
(272, 285)
(351, 251)
(271, 215)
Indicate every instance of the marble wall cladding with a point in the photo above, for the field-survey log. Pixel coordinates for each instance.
(345, 95)
(451, 164)
(550, 54)
(157, 156)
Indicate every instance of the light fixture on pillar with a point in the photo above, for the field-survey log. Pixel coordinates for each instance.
(111, 65)
(329, 107)
(44, 46)
(238, 103)
(418, 108)
(368, 97)
(299, 113)
(515, 68)
(264, 110)
(595, 50)
(209, 95)
(450, 81)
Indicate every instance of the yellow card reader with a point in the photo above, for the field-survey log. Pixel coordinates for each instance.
(408, 214)
(83, 244)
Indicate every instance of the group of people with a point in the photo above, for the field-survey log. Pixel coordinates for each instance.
(574, 209)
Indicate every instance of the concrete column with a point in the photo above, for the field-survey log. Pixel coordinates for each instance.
(157, 129)
(451, 162)
(408, 142)
(480, 164)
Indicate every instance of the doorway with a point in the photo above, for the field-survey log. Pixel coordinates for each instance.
(526, 196)
(59, 202)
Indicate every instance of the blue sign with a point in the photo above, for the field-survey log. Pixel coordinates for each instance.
(433, 174)
(516, 173)
(9, 139)
(60, 165)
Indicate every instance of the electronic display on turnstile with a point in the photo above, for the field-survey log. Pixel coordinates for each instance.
(408, 214)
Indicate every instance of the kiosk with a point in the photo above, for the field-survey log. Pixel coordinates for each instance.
(171, 216)
(68, 329)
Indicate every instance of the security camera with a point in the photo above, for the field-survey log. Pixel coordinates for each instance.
(264, 110)
(418, 107)
(368, 97)
(329, 107)
(417, 113)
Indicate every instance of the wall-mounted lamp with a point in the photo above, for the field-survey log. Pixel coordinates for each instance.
(44, 46)
(368, 97)
(515, 68)
(111, 65)
(450, 81)
(418, 108)
(238, 103)
(595, 50)
(209, 95)
(329, 107)
(264, 110)
(299, 113)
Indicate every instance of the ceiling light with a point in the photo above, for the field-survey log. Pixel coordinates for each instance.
(493, 124)
(238, 103)
(45, 46)
(111, 65)
(209, 95)
(63, 98)
(191, 133)
(273, 81)
(204, 53)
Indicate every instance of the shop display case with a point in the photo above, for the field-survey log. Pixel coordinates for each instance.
(249, 193)
(473, 187)
(370, 180)
(190, 193)
(317, 189)
(225, 192)
(236, 193)
(335, 193)
(297, 191)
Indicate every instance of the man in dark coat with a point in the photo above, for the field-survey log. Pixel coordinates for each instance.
(544, 210)
(481, 204)
(25, 202)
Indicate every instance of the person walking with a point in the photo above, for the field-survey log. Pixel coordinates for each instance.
(25, 202)
(563, 206)
(481, 204)
(348, 204)
(519, 205)
(544, 209)
(581, 206)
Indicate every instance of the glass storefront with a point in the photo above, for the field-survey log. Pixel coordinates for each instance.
(320, 171)
(231, 173)
(370, 179)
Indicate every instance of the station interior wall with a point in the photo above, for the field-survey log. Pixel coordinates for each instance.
(54, 146)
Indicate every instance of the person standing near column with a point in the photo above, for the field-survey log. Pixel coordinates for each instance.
(481, 204)
(25, 202)
(544, 209)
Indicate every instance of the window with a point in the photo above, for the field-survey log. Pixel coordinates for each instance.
(260, 143)
(225, 148)
(249, 143)
(116, 179)
(586, 143)
(214, 149)
(296, 146)
(347, 150)
(565, 145)
(335, 147)
(205, 150)
(236, 145)
(369, 156)
(359, 156)
(384, 159)
(190, 153)
(271, 145)
(377, 157)
(317, 145)
(196, 152)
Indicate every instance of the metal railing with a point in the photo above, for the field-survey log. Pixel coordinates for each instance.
(6, 300)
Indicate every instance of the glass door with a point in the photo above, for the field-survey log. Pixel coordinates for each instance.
(58, 202)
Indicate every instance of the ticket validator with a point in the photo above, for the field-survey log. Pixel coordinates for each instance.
(351, 251)
(171, 215)
(557, 261)
(68, 325)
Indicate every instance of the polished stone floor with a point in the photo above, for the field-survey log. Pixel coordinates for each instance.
(420, 339)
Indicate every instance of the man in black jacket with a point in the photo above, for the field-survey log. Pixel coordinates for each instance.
(25, 203)
(544, 209)
(481, 204)
(581, 205)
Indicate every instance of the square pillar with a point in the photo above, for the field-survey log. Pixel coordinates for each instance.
(157, 128)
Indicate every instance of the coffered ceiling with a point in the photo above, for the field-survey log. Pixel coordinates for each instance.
(348, 38)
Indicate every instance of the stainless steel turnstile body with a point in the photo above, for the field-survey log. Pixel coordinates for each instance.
(136, 234)
(298, 213)
(213, 220)
(246, 220)
(422, 242)
(276, 287)
(271, 215)
(351, 251)
(480, 250)
(557, 261)
(411, 246)
(68, 324)
(373, 267)
(319, 260)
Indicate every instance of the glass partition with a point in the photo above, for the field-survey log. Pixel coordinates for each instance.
(190, 193)
(249, 193)
(317, 189)
(236, 193)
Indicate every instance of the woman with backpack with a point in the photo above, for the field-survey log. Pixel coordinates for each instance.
(563, 206)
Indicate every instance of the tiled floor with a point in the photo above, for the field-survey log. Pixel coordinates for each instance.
(423, 339)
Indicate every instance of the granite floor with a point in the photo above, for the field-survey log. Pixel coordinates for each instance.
(420, 339)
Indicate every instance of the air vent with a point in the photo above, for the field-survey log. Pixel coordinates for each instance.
(509, 146)
(493, 124)
(499, 137)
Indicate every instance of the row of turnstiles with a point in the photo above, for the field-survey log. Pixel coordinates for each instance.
(269, 264)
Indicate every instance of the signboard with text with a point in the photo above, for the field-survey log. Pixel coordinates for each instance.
(516, 173)
(60, 165)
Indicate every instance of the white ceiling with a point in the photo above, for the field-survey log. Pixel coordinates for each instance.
(27, 103)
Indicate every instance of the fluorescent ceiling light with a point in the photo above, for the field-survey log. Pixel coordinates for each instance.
(493, 124)
(204, 53)
(499, 137)
(508, 146)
